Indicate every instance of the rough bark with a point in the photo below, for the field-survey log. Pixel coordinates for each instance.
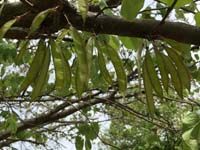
(149, 29)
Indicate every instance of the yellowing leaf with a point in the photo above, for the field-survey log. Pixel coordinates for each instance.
(148, 90)
(35, 66)
(6, 27)
(42, 76)
(153, 75)
(62, 68)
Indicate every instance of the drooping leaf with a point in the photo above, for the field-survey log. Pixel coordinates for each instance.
(6, 27)
(114, 42)
(181, 68)
(148, 90)
(22, 50)
(130, 8)
(83, 8)
(89, 49)
(174, 75)
(35, 66)
(62, 35)
(82, 75)
(66, 70)
(79, 142)
(118, 65)
(97, 76)
(182, 48)
(153, 75)
(62, 68)
(102, 65)
(88, 144)
(162, 69)
(37, 21)
(42, 76)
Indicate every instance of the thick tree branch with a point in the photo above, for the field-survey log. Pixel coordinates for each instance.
(149, 29)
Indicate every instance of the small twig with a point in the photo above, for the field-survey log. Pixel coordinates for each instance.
(101, 11)
(27, 3)
(168, 12)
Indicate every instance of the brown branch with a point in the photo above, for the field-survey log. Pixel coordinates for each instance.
(141, 28)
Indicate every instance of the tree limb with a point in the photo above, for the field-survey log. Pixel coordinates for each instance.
(141, 28)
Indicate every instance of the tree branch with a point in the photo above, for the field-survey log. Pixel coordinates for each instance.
(141, 28)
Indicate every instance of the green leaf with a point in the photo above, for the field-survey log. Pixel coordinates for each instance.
(196, 132)
(22, 49)
(131, 43)
(181, 68)
(190, 120)
(6, 27)
(153, 75)
(37, 21)
(92, 131)
(190, 144)
(96, 76)
(42, 76)
(162, 69)
(89, 49)
(179, 3)
(102, 65)
(24, 134)
(118, 65)
(62, 68)
(174, 75)
(130, 8)
(83, 8)
(148, 90)
(88, 144)
(197, 18)
(35, 66)
(62, 35)
(79, 143)
(12, 123)
(179, 47)
(82, 75)
(114, 42)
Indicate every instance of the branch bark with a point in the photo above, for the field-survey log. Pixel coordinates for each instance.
(141, 28)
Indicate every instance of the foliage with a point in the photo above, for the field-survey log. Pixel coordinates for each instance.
(57, 86)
